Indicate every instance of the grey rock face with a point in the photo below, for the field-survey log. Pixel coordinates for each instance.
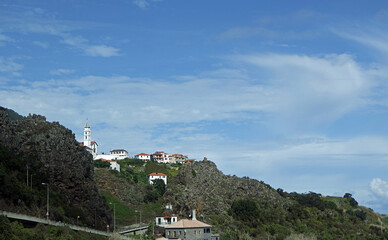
(53, 149)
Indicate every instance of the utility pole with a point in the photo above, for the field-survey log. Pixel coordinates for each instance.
(27, 174)
(139, 211)
(48, 200)
(114, 216)
(31, 181)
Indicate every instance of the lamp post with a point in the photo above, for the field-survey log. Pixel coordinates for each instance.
(48, 199)
(114, 216)
(27, 174)
(31, 180)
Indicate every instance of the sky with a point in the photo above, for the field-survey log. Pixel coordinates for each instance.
(293, 93)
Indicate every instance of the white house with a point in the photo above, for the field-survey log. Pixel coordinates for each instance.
(160, 157)
(114, 165)
(153, 176)
(177, 158)
(143, 156)
(166, 220)
(119, 154)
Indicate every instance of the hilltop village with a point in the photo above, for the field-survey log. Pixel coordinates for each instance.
(168, 227)
(120, 154)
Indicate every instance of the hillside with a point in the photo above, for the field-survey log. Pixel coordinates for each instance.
(52, 155)
(240, 208)
(237, 208)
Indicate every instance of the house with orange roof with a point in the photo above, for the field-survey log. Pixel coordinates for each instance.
(160, 157)
(153, 176)
(143, 156)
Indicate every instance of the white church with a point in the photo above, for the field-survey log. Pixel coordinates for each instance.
(92, 147)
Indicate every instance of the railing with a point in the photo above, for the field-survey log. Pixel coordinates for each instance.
(24, 217)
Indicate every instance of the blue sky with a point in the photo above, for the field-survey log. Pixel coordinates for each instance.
(293, 93)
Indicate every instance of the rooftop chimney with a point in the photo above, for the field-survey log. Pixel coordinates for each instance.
(193, 217)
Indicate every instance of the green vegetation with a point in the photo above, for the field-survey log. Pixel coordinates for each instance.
(101, 164)
(309, 215)
(123, 212)
(14, 190)
(16, 231)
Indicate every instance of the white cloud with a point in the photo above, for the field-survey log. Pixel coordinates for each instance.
(61, 71)
(8, 65)
(312, 90)
(379, 187)
(141, 3)
(102, 50)
(41, 44)
(5, 38)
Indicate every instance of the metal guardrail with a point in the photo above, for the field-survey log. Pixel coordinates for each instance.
(24, 217)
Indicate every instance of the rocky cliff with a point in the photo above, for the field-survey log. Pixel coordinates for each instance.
(203, 187)
(51, 150)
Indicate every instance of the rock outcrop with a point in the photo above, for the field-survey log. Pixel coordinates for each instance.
(53, 151)
(203, 187)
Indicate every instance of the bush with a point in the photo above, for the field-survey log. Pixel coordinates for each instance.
(245, 210)
(101, 164)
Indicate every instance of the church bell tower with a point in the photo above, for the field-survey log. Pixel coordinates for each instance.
(87, 136)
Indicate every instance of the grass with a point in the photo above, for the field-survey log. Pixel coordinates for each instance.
(124, 214)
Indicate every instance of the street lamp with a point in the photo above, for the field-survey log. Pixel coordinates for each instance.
(31, 180)
(114, 216)
(48, 199)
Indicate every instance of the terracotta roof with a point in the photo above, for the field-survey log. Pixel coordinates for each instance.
(156, 174)
(105, 160)
(143, 154)
(93, 142)
(186, 223)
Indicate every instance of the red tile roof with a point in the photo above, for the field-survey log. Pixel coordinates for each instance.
(105, 160)
(156, 174)
(142, 154)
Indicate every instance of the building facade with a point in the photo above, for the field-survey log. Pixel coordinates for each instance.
(177, 158)
(153, 176)
(143, 156)
(160, 157)
(119, 154)
(166, 220)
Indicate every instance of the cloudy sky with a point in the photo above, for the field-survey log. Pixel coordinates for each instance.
(294, 93)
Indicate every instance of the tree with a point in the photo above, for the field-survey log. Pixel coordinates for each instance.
(101, 164)
(159, 186)
(351, 200)
(246, 210)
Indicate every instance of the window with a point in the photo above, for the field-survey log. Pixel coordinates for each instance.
(174, 233)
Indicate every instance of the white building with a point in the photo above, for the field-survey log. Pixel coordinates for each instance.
(119, 154)
(160, 157)
(143, 156)
(166, 220)
(153, 176)
(114, 165)
(91, 146)
(177, 158)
